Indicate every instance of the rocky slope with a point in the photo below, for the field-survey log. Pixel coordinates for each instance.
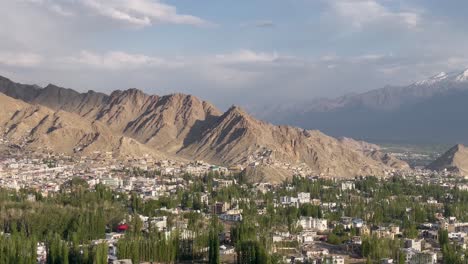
(166, 122)
(179, 125)
(38, 127)
(236, 133)
(454, 160)
(374, 152)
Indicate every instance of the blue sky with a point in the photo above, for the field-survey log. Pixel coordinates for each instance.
(232, 52)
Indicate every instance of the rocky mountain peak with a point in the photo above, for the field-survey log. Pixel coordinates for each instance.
(434, 79)
(129, 93)
(459, 147)
(180, 99)
(236, 110)
(463, 77)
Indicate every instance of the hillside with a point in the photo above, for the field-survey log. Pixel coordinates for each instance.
(236, 133)
(454, 160)
(184, 126)
(40, 128)
(162, 122)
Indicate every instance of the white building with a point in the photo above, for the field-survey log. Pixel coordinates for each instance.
(357, 222)
(416, 257)
(303, 197)
(288, 200)
(231, 217)
(313, 223)
(334, 260)
(41, 252)
(306, 237)
(347, 185)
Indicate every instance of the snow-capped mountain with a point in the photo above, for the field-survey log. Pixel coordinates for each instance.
(434, 109)
(445, 77)
(434, 79)
(463, 77)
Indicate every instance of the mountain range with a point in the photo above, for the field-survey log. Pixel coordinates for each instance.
(132, 123)
(429, 111)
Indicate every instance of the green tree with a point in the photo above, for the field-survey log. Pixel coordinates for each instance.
(213, 252)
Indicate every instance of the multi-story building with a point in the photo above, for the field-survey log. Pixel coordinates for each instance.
(311, 223)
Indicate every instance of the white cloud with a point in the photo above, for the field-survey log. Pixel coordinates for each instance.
(247, 56)
(20, 59)
(138, 13)
(141, 12)
(240, 63)
(51, 5)
(371, 57)
(117, 60)
(457, 62)
(361, 13)
(330, 57)
(60, 10)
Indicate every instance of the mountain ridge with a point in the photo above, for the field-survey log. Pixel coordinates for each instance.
(428, 111)
(38, 127)
(184, 126)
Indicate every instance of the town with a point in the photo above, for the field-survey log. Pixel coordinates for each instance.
(188, 210)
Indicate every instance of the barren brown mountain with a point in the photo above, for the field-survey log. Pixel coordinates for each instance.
(454, 160)
(236, 134)
(185, 126)
(166, 122)
(38, 127)
(373, 151)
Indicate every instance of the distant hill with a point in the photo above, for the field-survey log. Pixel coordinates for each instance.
(428, 111)
(454, 160)
(175, 125)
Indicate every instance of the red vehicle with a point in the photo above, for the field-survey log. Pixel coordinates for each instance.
(122, 228)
